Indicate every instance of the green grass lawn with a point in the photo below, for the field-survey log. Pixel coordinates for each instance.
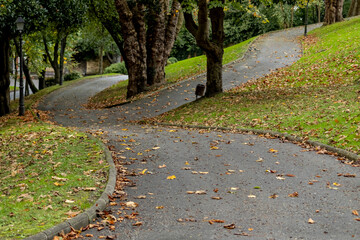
(174, 73)
(47, 173)
(317, 98)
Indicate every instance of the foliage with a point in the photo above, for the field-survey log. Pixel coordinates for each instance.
(116, 68)
(48, 173)
(172, 60)
(72, 76)
(316, 98)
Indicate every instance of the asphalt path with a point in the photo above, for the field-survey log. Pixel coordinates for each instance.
(195, 184)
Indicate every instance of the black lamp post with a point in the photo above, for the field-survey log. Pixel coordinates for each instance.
(20, 27)
(306, 17)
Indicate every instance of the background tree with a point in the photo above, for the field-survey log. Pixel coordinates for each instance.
(63, 18)
(333, 11)
(354, 9)
(10, 10)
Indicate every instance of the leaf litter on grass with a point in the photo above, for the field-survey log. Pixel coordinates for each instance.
(47, 174)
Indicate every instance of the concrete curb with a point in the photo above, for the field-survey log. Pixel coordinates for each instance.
(340, 152)
(85, 218)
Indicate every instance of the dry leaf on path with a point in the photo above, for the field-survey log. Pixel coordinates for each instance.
(356, 213)
(311, 221)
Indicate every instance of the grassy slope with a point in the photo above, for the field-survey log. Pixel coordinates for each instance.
(174, 73)
(316, 98)
(32, 156)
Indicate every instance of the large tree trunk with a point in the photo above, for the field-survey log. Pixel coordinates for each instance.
(354, 9)
(163, 28)
(4, 74)
(333, 11)
(214, 47)
(133, 32)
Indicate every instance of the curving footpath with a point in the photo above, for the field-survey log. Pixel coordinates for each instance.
(203, 184)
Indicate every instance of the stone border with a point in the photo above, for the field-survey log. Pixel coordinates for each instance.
(340, 152)
(85, 218)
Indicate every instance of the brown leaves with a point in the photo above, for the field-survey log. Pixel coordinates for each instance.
(212, 221)
(294, 194)
(230, 226)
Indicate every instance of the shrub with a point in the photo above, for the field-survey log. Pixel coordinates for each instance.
(72, 76)
(116, 68)
(172, 60)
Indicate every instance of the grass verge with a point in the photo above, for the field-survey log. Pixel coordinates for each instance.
(317, 98)
(176, 72)
(47, 173)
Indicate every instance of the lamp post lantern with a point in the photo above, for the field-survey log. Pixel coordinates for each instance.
(20, 27)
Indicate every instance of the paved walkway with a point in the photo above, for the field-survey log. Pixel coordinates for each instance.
(189, 184)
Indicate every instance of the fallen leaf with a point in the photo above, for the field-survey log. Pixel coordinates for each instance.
(190, 192)
(336, 184)
(159, 207)
(131, 204)
(214, 148)
(171, 177)
(69, 201)
(355, 213)
(290, 175)
(349, 175)
(89, 235)
(156, 148)
(58, 184)
(294, 194)
(141, 197)
(186, 163)
(250, 229)
(273, 196)
(311, 221)
(280, 178)
(137, 224)
(143, 171)
(212, 221)
(162, 166)
(203, 173)
(90, 189)
(230, 226)
(260, 160)
(200, 192)
(357, 219)
(251, 196)
(273, 150)
(59, 179)
(216, 198)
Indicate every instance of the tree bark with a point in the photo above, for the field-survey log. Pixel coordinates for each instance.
(62, 55)
(333, 11)
(132, 21)
(354, 9)
(214, 47)
(26, 71)
(53, 61)
(161, 34)
(4, 74)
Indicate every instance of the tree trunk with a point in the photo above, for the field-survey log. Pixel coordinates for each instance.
(292, 16)
(333, 11)
(4, 74)
(354, 9)
(161, 34)
(53, 61)
(214, 47)
(29, 81)
(132, 25)
(318, 13)
(62, 56)
(15, 74)
(26, 72)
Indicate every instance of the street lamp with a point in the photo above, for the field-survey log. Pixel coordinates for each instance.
(20, 27)
(306, 17)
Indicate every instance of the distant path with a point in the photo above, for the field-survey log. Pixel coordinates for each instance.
(266, 188)
(269, 52)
